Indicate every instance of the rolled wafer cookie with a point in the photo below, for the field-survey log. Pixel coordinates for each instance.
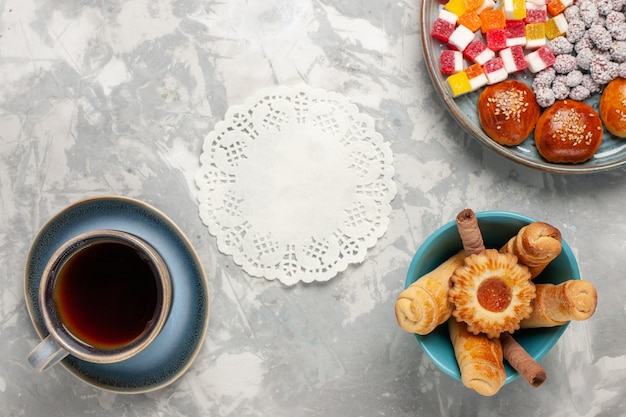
(480, 359)
(535, 246)
(555, 305)
(424, 304)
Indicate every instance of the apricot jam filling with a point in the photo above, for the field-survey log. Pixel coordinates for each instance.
(494, 295)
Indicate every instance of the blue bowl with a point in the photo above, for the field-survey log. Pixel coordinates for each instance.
(497, 228)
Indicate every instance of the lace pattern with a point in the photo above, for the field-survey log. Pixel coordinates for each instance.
(295, 184)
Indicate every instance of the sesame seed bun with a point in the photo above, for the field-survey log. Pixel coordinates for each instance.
(613, 107)
(569, 131)
(508, 112)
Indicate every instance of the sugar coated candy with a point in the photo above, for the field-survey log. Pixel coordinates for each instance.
(540, 59)
(476, 76)
(486, 5)
(444, 25)
(460, 38)
(492, 19)
(451, 62)
(478, 52)
(442, 30)
(555, 7)
(470, 20)
(515, 32)
(514, 9)
(556, 26)
(496, 39)
(513, 59)
(456, 6)
(459, 83)
(536, 15)
(495, 71)
(535, 35)
(473, 4)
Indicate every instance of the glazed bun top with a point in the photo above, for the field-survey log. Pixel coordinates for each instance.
(508, 112)
(569, 131)
(613, 107)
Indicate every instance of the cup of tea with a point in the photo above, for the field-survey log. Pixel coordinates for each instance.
(104, 296)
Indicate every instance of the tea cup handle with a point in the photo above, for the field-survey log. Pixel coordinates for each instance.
(47, 354)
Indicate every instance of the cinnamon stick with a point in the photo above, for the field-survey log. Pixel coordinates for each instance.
(521, 361)
(472, 238)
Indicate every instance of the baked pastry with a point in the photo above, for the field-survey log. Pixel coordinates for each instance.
(569, 131)
(508, 112)
(535, 246)
(613, 107)
(424, 304)
(480, 359)
(555, 305)
(491, 292)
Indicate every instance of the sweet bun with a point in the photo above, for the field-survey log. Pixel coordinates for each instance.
(613, 107)
(508, 112)
(569, 131)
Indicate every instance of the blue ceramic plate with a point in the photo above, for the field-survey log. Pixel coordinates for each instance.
(172, 352)
(497, 228)
(612, 152)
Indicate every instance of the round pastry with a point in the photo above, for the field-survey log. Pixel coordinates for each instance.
(491, 292)
(569, 131)
(508, 112)
(613, 107)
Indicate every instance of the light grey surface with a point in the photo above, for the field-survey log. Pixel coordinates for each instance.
(117, 97)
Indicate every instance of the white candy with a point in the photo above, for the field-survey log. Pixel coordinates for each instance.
(478, 82)
(521, 41)
(448, 16)
(509, 10)
(497, 76)
(536, 43)
(459, 62)
(460, 38)
(510, 64)
(484, 56)
(534, 61)
(531, 5)
(561, 23)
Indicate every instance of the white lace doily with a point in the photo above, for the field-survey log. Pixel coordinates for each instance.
(295, 184)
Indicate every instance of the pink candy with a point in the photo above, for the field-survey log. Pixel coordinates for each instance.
(515, 33)
(444, 25)
(495, 71)
(451, 62)
(540, 59)
(442, 29)
(513, 59)
(478, 52)
(496, 39)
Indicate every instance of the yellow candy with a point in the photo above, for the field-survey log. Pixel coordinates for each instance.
(519, 9)
(459, 83)
(456, 6)
(514, 9)
(556, 26)
(535, 35)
